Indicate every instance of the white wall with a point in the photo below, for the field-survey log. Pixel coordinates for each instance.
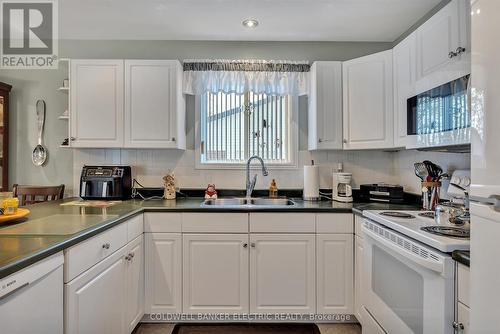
(366, 166)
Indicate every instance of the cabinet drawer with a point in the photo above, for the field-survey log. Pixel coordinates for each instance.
(215, 223)
(135, 227)
(162, 222)
(84, 255)
(358, 222)
(282, 222)
(463, 284)
(334, 223)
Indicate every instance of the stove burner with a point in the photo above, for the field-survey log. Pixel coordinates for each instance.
(429, 214)
(448, 231)
(397, 214)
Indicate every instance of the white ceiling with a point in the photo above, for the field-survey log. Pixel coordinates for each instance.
(279, 20)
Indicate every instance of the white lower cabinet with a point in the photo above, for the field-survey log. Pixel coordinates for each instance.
(334, 256)
(163, 268)
(358, 276)
(95, 300)
(282, 273)
(215, 273)
(134, 283)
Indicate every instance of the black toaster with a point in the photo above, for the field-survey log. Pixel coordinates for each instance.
(106, 182)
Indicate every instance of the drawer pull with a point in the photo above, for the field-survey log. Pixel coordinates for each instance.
(252, 245)
(245, 245)
(458, 325)
(106, 245)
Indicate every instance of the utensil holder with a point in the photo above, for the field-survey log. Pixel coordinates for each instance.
(430, 194)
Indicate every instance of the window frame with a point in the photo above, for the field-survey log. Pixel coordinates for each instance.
(294, 141)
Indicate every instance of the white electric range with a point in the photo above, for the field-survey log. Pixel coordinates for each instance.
(410, 223)
(408, 274)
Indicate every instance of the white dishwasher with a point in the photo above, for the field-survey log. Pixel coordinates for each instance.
(31, 300)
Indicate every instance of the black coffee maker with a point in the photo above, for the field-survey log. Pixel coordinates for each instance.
(106, 182)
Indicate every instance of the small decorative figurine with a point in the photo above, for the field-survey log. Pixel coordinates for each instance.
(210, 192)
(273, 189)
(169, 184)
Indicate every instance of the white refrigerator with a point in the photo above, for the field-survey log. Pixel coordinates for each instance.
(485, 168)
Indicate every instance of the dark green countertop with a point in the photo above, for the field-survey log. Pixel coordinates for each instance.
(462, 257)
(20, 251)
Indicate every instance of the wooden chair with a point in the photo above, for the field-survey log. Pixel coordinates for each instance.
(36, 194)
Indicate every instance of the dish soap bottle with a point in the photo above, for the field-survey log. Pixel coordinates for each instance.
(273, 189)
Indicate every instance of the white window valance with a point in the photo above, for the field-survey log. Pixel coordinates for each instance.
(271, 77)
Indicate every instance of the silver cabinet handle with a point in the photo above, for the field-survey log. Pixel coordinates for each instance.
(344, 141)
(458, 325)
(252, 244)
(72, 138)
(460, 50)
(452, 54)
(106, 245)
(173, 138)
(129, 256)
(320, 140)
(245, 245)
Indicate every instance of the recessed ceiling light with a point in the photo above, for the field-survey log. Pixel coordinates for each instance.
(250, 23)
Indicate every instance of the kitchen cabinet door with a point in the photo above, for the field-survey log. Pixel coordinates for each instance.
(282, 273)
(134, 283)
(367, 102)
(404, 64)
(96, 103)
(163, 263)
(443, 33)
(335, 291)
(325, 106)
(215, 268)
(154, 104)
(463, 319)
(358, 277)
(95, 300)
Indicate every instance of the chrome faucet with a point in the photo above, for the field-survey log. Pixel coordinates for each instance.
(251, 184)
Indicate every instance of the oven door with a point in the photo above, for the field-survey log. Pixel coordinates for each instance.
(409, 288)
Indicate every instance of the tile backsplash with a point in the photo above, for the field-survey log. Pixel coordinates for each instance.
(149, 166)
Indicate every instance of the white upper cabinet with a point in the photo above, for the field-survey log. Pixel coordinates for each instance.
(96, 103)
(154, 104)
(127, 103)
(367, 102)
(404, 64)
(325, 106)
(440, 57)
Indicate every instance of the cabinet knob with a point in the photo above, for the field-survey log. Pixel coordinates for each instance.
(460, 50)
(129, 257)
(452, 54)
(72, 138)
(252, 245)
(245, 245)
(320, 140)
(106, 245)
(344, 141)
(458, 325)
(173, 138)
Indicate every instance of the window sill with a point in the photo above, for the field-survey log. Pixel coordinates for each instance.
(253, 166)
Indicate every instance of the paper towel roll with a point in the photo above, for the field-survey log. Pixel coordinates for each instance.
(311, 183)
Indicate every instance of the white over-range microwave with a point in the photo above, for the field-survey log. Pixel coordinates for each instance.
(440, 118)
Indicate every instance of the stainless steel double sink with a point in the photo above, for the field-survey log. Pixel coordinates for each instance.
(248, 202)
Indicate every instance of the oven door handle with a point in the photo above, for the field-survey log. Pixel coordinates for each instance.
(429, 264)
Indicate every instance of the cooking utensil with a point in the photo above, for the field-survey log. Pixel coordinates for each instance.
(39, 155)
(421, 170)
(433, 169)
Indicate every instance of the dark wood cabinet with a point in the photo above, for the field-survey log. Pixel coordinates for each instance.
(4, 135)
